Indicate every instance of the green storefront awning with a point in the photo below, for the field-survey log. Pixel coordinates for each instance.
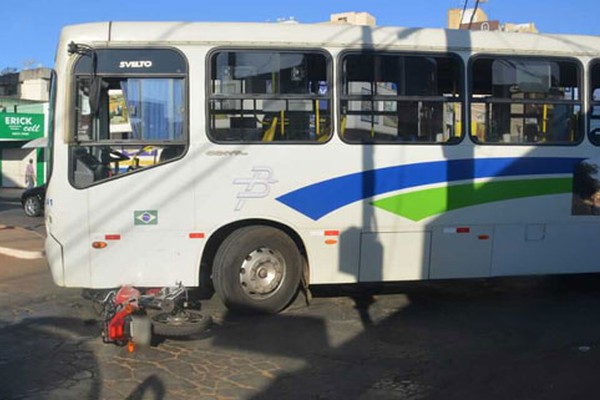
(18, 126)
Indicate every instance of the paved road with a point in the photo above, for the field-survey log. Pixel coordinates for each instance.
(11, 213)
(483, 339)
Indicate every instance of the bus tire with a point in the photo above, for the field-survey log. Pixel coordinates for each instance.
(257, 269)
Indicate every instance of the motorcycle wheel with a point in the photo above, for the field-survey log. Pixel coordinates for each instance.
(180, 323)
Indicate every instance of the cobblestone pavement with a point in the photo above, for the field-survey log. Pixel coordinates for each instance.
(500, 339)
(518, 339)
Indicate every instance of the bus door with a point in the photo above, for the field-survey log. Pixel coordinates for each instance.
(126, 156)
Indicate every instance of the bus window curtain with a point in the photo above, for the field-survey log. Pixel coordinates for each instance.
(155, 108)
(131, 93)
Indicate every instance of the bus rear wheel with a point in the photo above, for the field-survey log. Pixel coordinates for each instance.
(257, 269)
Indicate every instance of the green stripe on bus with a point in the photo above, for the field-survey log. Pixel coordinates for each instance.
(426, 203)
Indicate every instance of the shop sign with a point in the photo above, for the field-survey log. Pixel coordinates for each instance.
(17, 126)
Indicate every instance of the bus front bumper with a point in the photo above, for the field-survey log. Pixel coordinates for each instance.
(54, 255)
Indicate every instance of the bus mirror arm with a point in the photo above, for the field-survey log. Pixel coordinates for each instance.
(95, 92)
(97, 84)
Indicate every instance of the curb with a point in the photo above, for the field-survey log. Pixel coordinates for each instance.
(22, 254)
(18, 253)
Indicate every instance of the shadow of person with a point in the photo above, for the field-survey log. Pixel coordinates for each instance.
(151, 388)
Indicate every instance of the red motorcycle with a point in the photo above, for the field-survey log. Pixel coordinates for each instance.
(132, 317)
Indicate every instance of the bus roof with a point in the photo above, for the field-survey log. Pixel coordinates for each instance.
(330, 36)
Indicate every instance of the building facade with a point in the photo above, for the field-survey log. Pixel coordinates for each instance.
(23, 122)
(353, 18)
(477, 19)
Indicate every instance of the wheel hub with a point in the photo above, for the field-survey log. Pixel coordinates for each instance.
(262, 273)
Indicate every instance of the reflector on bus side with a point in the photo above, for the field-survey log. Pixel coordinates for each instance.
(460, 229)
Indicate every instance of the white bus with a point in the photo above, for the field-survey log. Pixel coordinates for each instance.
(263, 158)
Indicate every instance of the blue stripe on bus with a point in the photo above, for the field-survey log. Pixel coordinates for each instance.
(319, 199)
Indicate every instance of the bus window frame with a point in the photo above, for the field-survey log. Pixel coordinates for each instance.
(462, 99)
(581, 83)
(595, 62)
(74, 78)
(49, 150)
(275, 49)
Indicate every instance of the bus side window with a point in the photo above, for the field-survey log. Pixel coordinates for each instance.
(401, 98)
(594, 115)
(525, 100)
(269, 96)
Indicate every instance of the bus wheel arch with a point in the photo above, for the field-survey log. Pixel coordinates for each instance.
(284, 248)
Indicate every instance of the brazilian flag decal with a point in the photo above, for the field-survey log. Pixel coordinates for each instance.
(145, 217)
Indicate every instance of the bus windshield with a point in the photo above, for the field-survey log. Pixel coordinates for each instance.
(124, 123)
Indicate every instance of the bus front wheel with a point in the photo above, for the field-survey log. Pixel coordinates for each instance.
(257, 269)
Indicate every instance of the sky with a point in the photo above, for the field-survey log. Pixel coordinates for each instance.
(30, 28)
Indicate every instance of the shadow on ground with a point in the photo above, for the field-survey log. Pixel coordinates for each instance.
(492, 339)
